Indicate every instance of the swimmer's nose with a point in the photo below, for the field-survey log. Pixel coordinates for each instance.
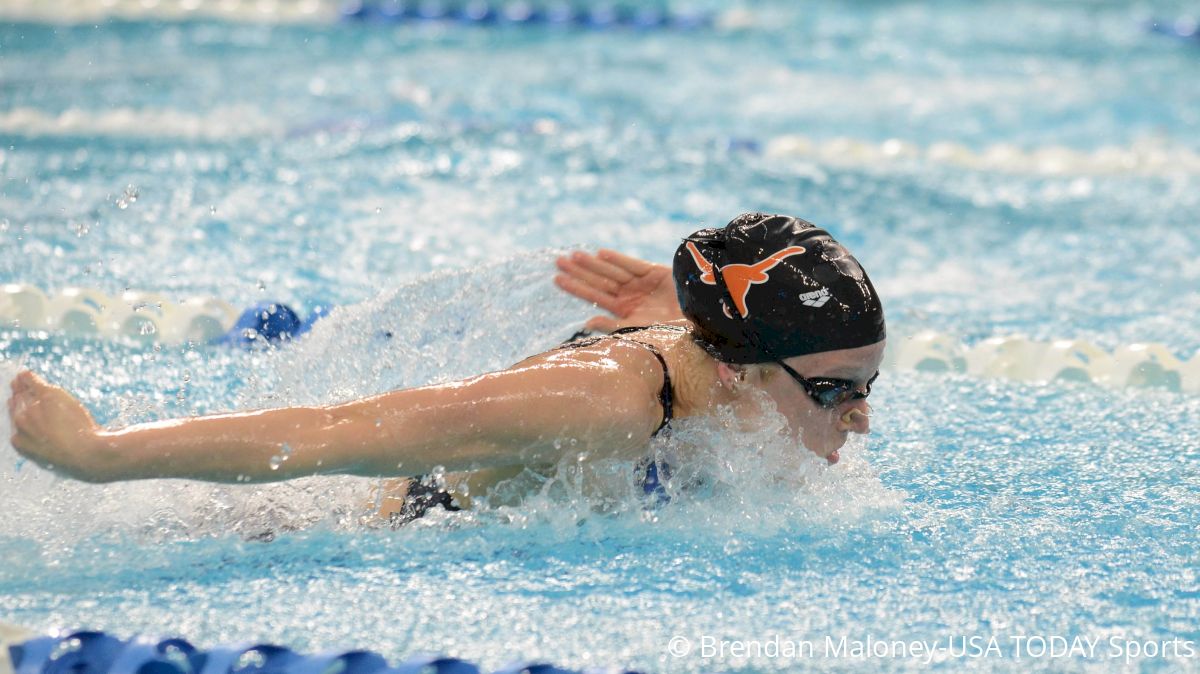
(855, 418)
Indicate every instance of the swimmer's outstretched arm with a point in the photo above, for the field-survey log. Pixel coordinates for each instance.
(522, 416)
(634, 291)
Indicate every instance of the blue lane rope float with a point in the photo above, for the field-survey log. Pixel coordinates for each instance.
(270, 322)
(597, 15)
(91, 652)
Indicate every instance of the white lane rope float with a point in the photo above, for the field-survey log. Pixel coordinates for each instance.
(153, 318)
(1141, 158)
(1021, 358)
(592, 15)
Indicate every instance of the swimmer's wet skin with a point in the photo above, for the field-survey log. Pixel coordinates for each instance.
(770, 305)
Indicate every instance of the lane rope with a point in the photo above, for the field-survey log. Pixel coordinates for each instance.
(589, 14)
(95, 652)
(1141, 158)
(1016, 357)
(150, 317)
(153, 318)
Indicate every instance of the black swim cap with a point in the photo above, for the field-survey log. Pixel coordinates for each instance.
(768, 287)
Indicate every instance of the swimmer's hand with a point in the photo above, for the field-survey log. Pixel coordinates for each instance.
(634, 291)
(51, 427)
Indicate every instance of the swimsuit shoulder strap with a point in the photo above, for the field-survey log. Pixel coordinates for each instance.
(666, 395)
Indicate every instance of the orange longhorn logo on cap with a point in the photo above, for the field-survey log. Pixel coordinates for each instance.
(739, 277)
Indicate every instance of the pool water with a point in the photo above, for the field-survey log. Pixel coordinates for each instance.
(421, 176)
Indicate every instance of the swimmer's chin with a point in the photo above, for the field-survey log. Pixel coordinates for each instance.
(832, 457)
(834, 454)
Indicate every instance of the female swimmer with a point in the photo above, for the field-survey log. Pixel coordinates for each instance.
(766, 305)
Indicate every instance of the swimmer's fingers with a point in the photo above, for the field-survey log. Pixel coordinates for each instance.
(630, 265)
(20, 412)
(51, 426)
(586, 292)
(580, 267)
(21, 381)
(23, 410)
(612, 269)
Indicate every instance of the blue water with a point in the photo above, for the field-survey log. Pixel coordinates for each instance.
(418, 174)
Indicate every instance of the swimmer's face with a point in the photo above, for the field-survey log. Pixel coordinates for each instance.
(822, 430)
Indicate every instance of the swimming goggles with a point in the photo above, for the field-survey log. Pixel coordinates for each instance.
(828, 392)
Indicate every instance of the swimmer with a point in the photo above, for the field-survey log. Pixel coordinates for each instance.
(768, 304)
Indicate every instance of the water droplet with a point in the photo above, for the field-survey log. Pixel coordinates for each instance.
(128, 197)
(253, 659)
(378, 209)
(187, 376)
(81, 229)
(378, 423)
(147, 328)
(262, 285)
(65, 646)
(212, 210)
(285, 453)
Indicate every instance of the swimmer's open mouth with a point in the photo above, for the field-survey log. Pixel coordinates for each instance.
(833, 457)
